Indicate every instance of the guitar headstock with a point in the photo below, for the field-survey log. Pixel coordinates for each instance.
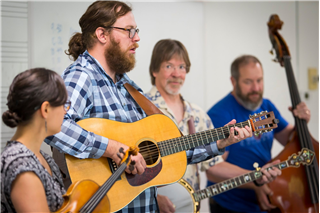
(305, 156)
(263, 122)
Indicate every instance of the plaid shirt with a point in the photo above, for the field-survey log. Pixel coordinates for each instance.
(94, 94)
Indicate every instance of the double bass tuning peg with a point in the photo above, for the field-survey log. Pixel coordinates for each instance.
(271, 51)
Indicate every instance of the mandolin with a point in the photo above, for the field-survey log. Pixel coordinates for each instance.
(87, 196)
(162, 147)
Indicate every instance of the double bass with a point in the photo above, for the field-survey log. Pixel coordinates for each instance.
(295, 190)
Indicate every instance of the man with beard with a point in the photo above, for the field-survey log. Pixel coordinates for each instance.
(168, 69)
(246, 99)
(103, 53)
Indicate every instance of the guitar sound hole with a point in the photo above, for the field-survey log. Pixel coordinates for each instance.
(149, 151)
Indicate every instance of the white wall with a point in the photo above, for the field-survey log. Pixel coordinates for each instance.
(214, 34)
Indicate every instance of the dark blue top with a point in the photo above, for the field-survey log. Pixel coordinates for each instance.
(246, 152)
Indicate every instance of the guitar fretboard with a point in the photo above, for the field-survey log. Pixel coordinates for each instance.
(187, 142)
(233, 183)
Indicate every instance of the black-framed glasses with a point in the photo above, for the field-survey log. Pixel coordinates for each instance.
(132, 31)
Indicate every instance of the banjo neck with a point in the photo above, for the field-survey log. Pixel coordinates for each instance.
(305, 156)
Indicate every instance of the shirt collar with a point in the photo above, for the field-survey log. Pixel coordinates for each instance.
(155, 96)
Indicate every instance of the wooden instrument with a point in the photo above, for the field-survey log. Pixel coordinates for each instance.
(162, 147)
(294, 190)
(87, 196)
(305, 157)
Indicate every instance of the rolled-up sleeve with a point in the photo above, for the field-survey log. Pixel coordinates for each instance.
(73, 139)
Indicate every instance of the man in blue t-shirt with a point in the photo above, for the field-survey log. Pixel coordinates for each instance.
(246, 99)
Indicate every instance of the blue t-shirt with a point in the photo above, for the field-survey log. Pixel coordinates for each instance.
(246, 152)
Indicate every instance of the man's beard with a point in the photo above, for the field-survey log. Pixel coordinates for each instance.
(117, 60)
(172, 92)
(245, 100)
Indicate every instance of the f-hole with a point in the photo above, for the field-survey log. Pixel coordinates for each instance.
(149, 151)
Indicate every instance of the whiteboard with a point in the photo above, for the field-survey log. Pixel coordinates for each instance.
(53, 23)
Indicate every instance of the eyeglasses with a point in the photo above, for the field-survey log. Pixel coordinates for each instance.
(67, 105)
(132, 31)
(171, 68)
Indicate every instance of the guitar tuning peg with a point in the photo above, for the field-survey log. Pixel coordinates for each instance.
(271, 51)
(275, 60)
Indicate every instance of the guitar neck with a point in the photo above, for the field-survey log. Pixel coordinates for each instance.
(233, 183)
(187, 142)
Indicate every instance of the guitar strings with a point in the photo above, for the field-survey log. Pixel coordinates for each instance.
(152, 151)
(199, 135)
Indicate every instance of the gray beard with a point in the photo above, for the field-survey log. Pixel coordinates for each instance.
(249, 105)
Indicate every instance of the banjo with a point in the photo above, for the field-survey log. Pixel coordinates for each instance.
(189, 200)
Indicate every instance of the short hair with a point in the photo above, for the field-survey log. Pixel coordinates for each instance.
(163, 51)
(99, 14)
(29, 90)
(242, 61)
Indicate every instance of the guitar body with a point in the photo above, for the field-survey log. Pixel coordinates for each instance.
(145, 134)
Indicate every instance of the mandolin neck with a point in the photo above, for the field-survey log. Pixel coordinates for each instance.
(187, 142)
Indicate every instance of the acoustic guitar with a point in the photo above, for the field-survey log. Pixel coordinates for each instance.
(160, 143)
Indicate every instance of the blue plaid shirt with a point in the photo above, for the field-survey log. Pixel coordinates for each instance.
(94, 94)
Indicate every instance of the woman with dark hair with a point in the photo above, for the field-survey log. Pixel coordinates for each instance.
(30, 179)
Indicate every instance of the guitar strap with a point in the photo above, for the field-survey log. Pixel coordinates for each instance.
(148, 107)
